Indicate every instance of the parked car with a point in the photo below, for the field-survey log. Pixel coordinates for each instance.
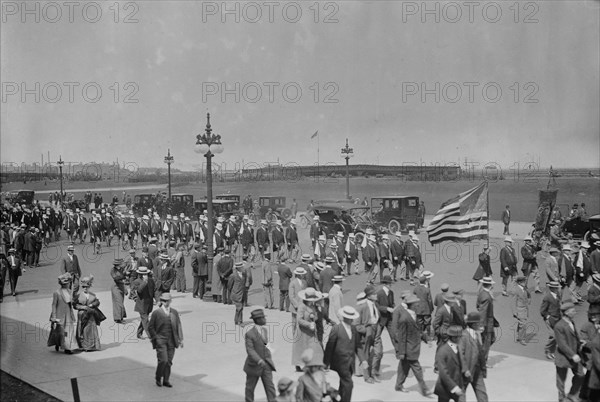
(226, 208)
(276, 204)
(142, 202)
(181, 203)
(230, 197)
(396, 213)
(344, 217)
(22, 197)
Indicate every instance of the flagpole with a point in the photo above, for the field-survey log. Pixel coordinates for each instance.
(487, 211)
(318, 146)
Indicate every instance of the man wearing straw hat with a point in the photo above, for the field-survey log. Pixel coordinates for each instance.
(530, 265)
(508, 264)
(336, 298)
(164, 276)
(550, 311)
(407, 336)
(143, 290)
(237, 284)
(262, 238)
(520, 308)
(296, 285)
(258, 364)
(340, 352)
(166, 335)
(291, 238)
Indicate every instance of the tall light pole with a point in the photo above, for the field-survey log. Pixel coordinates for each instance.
(168, 160)
(60, 164)
(209, 144)
(347, 153)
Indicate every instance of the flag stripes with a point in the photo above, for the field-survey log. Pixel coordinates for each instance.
(462, 218)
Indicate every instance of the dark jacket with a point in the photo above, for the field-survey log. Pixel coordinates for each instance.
(340, 351)
(256, 349)
(285, 275)
(450, 373)
(407, 336)
(159, 333)
(550, 309)
(567, 344)
(382, 302)
(144, 295)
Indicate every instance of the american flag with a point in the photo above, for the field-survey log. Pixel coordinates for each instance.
(462, 218)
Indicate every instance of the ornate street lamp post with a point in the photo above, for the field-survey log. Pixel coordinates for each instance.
(60, 164)
(209, 145)
(347, 153)
(168, 160)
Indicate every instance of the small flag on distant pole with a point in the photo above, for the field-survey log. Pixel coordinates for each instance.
(462, 218)
(314, 135)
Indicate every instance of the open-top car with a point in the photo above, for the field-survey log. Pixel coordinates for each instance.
(225, 208)
(181, 203)
(273, 208)
(396, 213)
(344, 217)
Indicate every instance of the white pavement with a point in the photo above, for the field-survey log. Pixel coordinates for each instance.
(209, 367)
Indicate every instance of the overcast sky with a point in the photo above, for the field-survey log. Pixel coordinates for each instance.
(371, 65)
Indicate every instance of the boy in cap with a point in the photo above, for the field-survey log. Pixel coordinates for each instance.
(166, 335)
(258, 364)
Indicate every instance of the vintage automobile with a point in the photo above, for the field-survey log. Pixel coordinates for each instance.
(277, 206)
(22, 197)
(396, 213)
(181, 203)
(142, 202)
(581, 228)
(226, 208)
(344, 217)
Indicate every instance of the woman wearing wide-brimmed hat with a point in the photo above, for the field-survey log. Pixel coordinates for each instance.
(312, 385)
(88, 316)
(62, 314)
(306, 327)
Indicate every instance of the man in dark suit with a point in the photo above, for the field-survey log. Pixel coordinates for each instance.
(164, 276)
(385, 306)
(460, 307)
(397, 250)
(370, 258)
(340, 351)
(485, 307)
(445, 317)
(166, 335)
(506, 220)
(262, 238)
(470, 350)
(508, 264)
(567, 353)
(143, 289)
(70, 264)
(450, 383)
(550, 311)
(258, 362)
(291, 238)
(285, 275)
(14, 271)
(351, 250)
(237, 285)
(199, 271)
(423, 308)
(225, 269)
(407, 342)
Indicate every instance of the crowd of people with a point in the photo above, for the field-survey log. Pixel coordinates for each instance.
(328, 333)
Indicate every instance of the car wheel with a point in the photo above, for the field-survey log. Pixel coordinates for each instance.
(287, 213)
(394, 226)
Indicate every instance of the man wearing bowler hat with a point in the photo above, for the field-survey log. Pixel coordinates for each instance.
(259, 364)
(143, 290)
(385, 306)
(450, 383)
(471, 357)
(166, 335)
(407, 336)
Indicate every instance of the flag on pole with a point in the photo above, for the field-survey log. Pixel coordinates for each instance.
(462, 218)
(314, 135)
